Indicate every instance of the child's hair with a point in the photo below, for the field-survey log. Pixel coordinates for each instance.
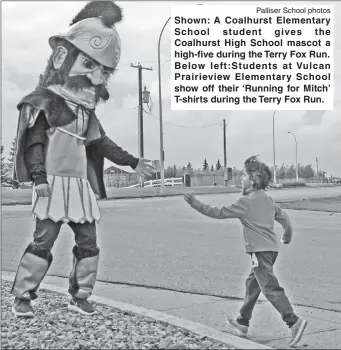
(259, 172)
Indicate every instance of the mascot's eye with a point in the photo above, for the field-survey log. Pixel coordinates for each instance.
(88, 64)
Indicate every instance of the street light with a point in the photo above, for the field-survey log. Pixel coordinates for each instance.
(296, 154)
(162, 172)
(273, 142)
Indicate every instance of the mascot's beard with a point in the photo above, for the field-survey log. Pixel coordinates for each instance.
(80, 82)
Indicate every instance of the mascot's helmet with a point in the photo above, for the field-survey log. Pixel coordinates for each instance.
(92, 31)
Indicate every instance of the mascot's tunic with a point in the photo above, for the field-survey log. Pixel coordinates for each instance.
(72, 198)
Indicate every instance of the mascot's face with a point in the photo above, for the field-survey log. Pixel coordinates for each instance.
(87, 78)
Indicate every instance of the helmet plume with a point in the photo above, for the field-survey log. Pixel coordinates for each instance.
(107, 10)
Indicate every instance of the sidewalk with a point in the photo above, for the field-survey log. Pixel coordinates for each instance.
(205, 315)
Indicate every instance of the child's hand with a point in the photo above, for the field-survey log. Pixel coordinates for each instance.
(189, 197)
(284, 241)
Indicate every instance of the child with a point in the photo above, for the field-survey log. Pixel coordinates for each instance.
(257, 213)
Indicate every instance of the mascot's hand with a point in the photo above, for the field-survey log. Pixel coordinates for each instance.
(189, 198)
(43, 190)
(143, 168)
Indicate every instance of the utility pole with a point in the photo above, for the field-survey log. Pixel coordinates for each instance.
(296, 154)
(139, 67)
(225, 158)
(140, 115)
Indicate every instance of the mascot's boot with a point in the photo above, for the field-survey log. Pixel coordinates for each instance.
(82, 279)
(33, 267)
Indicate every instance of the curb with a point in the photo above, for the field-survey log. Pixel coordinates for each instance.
(197, 328)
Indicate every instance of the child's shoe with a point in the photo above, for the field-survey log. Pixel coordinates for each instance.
(297, 331)
(242, 329)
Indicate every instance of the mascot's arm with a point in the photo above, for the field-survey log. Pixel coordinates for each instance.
(34, 150)
(108, 149)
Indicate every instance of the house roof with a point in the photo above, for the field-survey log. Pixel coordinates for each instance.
(123, 169)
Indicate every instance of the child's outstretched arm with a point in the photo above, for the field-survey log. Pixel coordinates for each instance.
(284, 220)
(236, 210)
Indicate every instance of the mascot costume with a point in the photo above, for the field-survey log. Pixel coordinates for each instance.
(61, 148)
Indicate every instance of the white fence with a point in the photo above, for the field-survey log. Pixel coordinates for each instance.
(170, 182)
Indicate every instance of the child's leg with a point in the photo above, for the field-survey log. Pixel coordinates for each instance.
(251, 296)
(271, 288)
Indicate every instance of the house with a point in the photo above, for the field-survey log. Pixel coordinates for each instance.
(117, 176)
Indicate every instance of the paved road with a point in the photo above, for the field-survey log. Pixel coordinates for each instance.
(164, 243)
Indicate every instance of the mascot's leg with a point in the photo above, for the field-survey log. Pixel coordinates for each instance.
(84, 270)
(33, 266)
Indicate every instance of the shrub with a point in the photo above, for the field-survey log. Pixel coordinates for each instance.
(294, 183)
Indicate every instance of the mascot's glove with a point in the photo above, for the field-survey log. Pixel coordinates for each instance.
(143, 168)
(43, 190)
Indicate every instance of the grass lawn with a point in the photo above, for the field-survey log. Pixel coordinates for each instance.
(19, 196)
(332, 204)
(23, 196)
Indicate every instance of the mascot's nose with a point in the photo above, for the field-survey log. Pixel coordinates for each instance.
(96, 77)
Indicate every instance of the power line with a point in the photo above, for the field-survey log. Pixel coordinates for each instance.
(183, 126)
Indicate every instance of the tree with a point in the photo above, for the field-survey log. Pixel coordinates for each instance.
(3, 165)
(281, 173)
(308, 171)
(218, 165)
(180, 171)
(189, 169)
(5, 177)
(212, 168)
(170, 171)
(205, 165)
(11, 157)
(2, 159)
(291, 172)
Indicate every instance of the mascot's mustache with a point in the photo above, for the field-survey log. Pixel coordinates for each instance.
(81, 82)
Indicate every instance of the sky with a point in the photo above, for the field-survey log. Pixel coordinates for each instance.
(189, 136)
